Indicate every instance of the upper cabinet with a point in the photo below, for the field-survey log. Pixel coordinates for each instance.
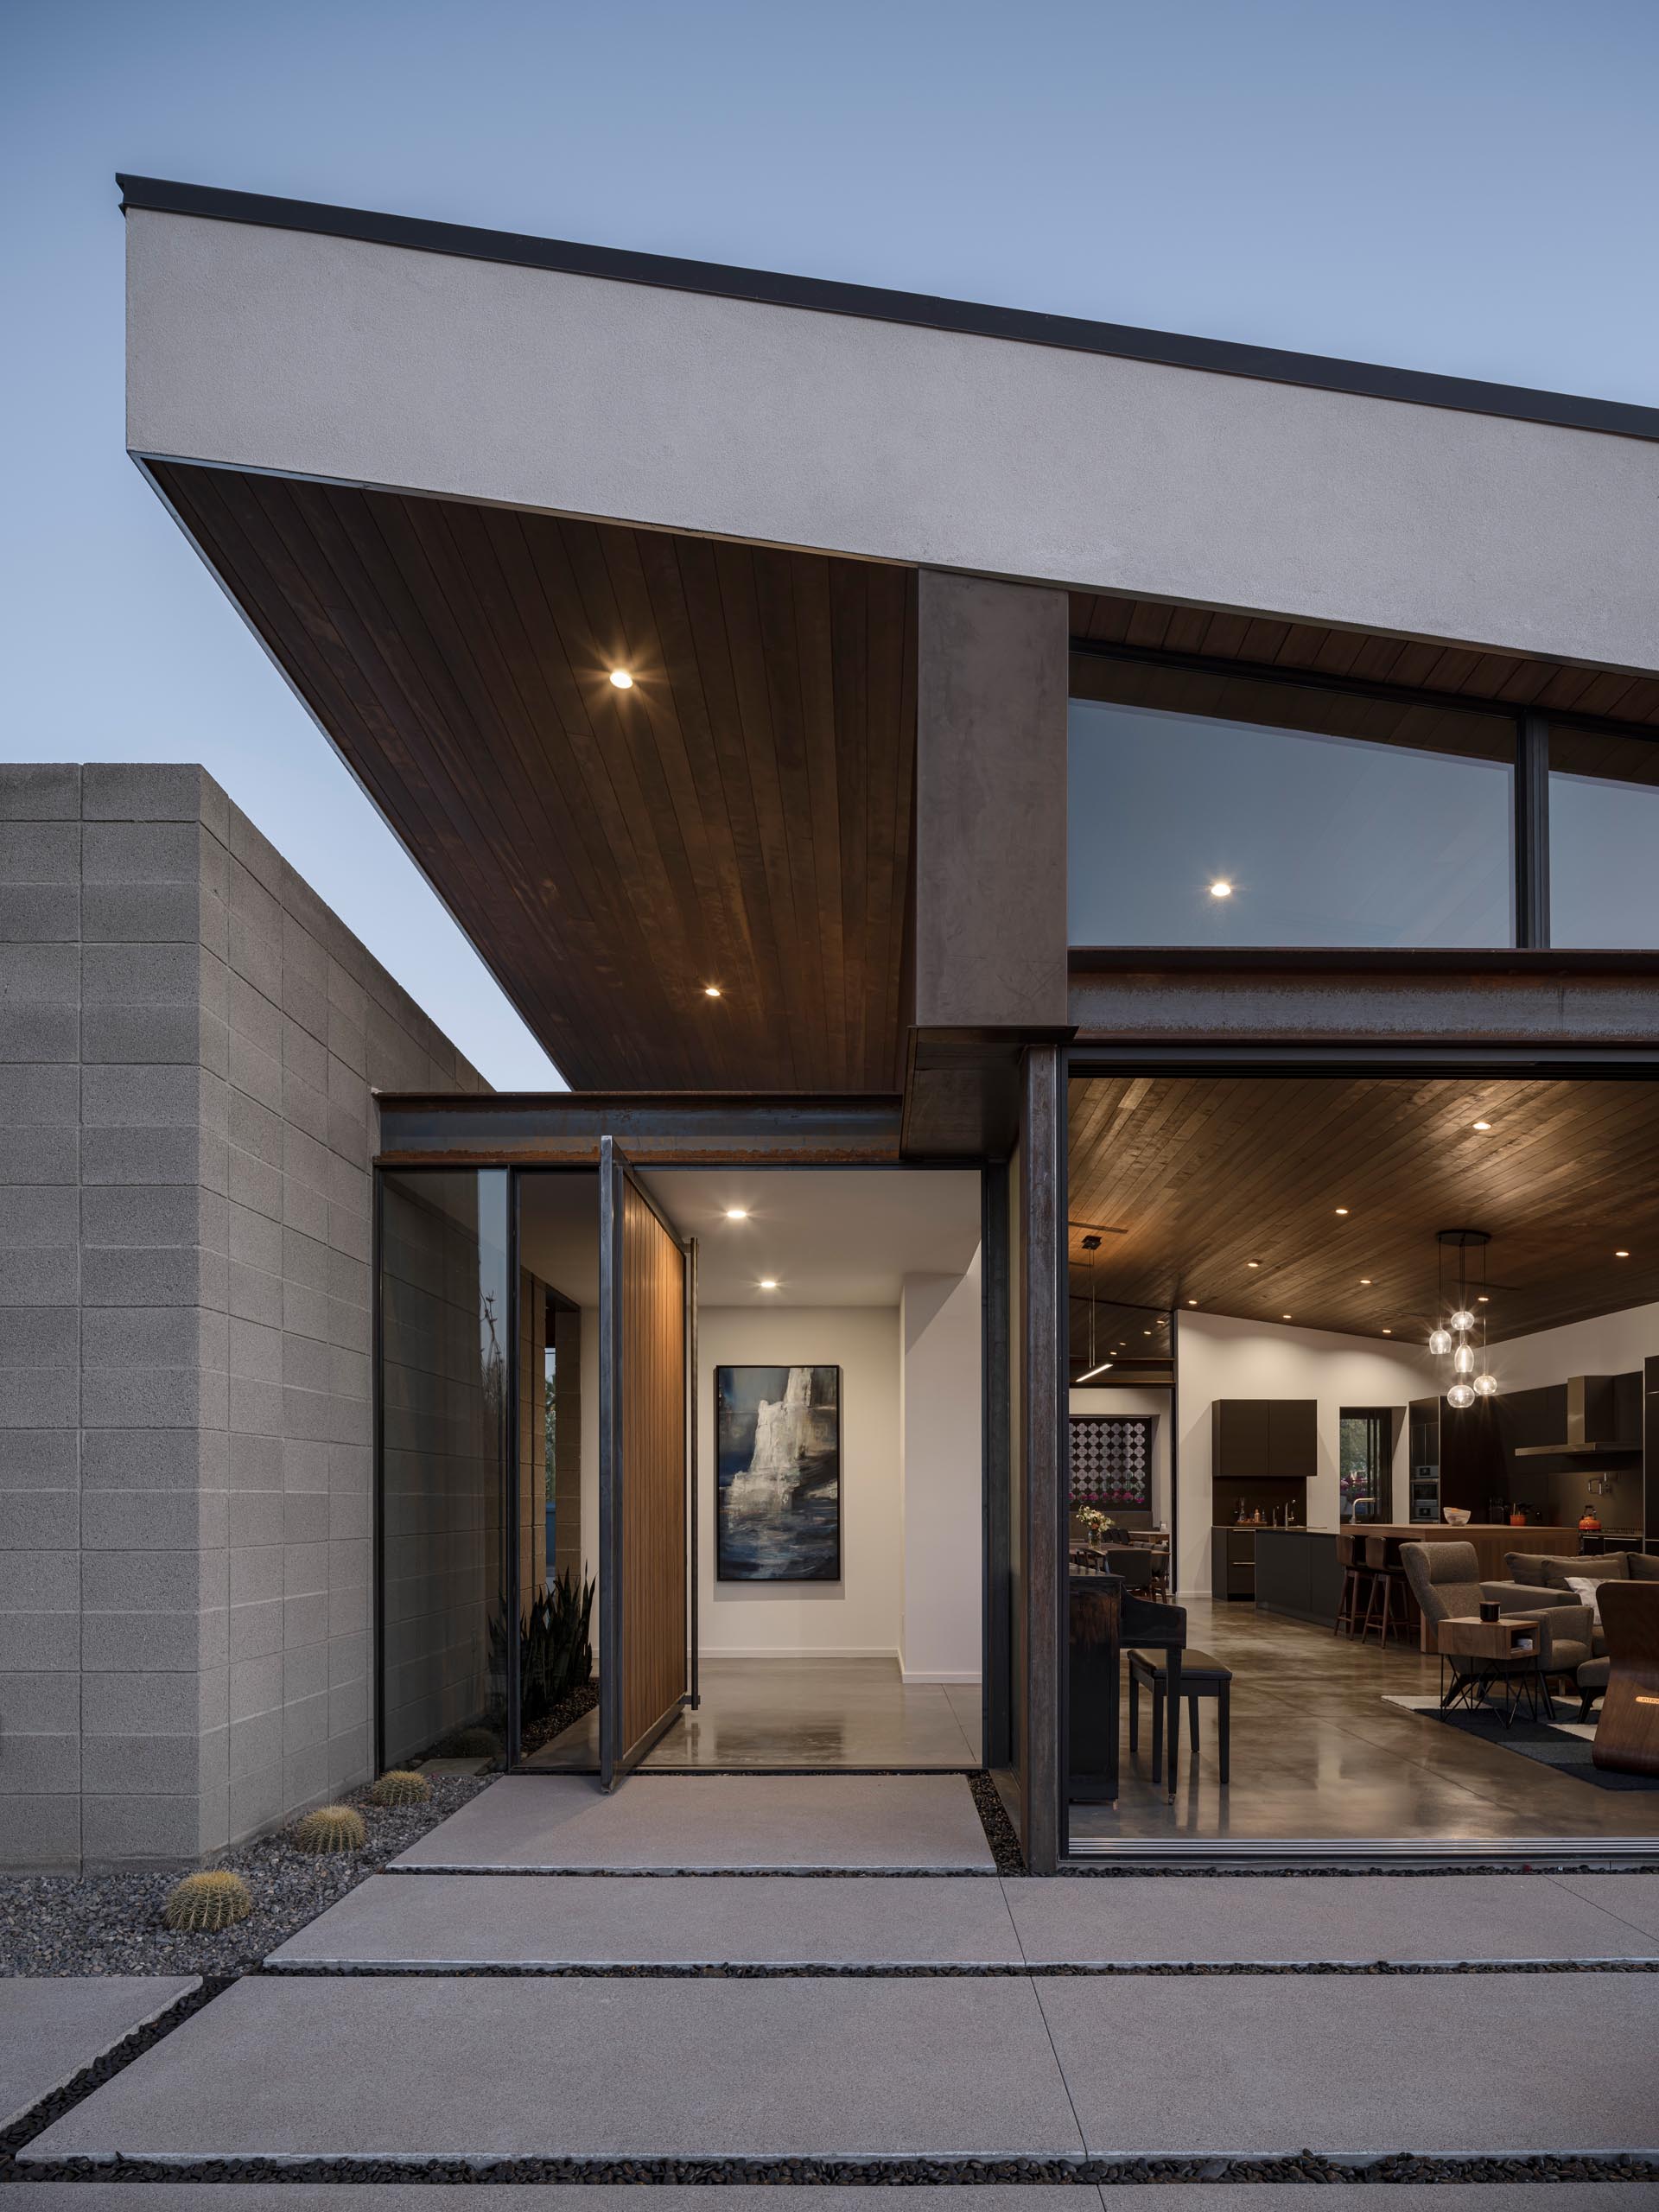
(1256, 1439)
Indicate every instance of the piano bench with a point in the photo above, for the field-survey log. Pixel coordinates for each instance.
(1201, 1676)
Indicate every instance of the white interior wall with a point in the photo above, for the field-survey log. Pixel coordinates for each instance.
(942, 1597)
(1224, 1358)
(1158, 1403)
(1617, 1344)
(859, 1615)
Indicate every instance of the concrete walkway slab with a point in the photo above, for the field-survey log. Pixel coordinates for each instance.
(53, 2025)
(523, 1920)
(683, 1823)
(284, 2068)
(1633, 1898)
(1255, 2065)
(1453, 1919)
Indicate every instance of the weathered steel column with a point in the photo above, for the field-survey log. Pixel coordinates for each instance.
(1041, 1323)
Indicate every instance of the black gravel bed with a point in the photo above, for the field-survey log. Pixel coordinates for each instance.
(999, 1970)
(568, 1710)
(1312, 2166)
(111, 1922)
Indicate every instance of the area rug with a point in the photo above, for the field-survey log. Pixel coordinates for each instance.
(1563, 1744)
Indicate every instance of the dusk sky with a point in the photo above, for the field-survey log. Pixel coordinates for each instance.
(1466, 186)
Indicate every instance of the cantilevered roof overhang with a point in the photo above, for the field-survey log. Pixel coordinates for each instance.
(452, 479)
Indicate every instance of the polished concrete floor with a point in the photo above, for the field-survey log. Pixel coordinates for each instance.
(1317, 1753)
(803, 1712)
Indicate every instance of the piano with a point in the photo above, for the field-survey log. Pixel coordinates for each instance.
(1106, 1619)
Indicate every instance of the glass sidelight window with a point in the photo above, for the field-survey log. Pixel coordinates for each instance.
(445, 1352)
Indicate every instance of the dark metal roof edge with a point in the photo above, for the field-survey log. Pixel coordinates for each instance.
(1220, 357)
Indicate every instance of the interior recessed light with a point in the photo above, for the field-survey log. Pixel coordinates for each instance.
(1221, 888)
(1481, 1298)
(768, 1282)
(1252, 1263)
(711, 990)
(1342, 1209)
(622, 680)
(1146, 1332)
(1192, 1302)
(1388, 1333)
(1284, 1317)
(1365, 1282)
(1481, 1125)
(737, 1213)
(1621, 1253)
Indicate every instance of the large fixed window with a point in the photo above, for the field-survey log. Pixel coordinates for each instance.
(1207, 810)
(1603, 840)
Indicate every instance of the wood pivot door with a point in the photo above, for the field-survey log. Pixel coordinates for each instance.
(643, 1520)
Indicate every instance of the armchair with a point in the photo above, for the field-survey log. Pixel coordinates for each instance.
(1445, 1580)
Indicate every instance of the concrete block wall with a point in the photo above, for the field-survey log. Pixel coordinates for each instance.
(188, 1043)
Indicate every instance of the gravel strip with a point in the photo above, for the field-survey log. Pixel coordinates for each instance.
(749, 1970)
(999, 1832)
(1312, 2166)
(112, 1924)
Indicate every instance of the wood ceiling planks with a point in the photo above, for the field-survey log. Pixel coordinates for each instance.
(1481, 678)
(1203, 1175)
(740, 817)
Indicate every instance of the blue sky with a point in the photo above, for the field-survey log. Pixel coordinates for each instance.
(1461, 185)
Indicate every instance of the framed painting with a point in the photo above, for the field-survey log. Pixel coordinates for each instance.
(777, 1474)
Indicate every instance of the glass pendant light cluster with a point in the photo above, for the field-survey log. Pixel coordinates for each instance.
(1454, 1337)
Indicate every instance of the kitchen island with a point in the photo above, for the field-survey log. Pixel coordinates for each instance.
(1297, 1573)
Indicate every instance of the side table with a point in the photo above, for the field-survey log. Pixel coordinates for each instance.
(1509, 1651)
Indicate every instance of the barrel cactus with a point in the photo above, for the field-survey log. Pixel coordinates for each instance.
(331, 1827)
(206, 1903)
(401, 1786)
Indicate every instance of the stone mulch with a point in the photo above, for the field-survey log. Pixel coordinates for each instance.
(112, 1924)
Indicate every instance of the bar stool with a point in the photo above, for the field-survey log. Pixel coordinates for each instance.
(1388, 1602)
(1356, 1584)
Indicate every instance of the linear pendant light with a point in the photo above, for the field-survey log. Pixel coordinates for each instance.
(1091, 1245)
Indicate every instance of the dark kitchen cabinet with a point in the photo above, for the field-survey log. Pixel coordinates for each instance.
(1232, 1563)
(1256, 1439)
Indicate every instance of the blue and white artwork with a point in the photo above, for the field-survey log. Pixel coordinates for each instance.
(778, 1455)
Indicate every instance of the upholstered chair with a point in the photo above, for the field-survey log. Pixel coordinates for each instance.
(1445, 1582)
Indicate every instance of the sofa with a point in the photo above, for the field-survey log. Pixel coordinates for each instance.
(1550, 1573)
(1547, 1578)
(1444, 1579)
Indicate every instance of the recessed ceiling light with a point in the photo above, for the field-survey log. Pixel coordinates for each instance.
(768, 1282)
(737, 1213)
(1192, 1302)
(1221, 888)
(1252, 1263)
(1342, 1209)
(1388, 1333)
(1621, 1255)
(1146, 1332)
(1365, 1281)
(1481, 1298)
(711, 990)
(622, 680)
(1481, 1125)
(1284, 1317)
